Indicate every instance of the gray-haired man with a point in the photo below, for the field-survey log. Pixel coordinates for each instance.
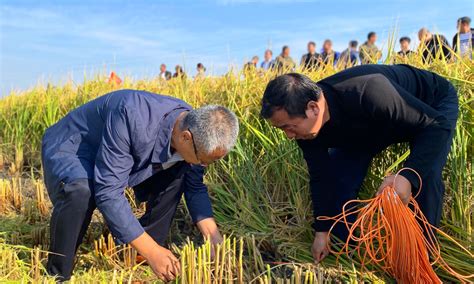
(155, 144)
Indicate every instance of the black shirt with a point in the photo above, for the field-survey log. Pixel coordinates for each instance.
(328, 57)
(436, 47)
(311, 61)
(372, 107)
(405, 53)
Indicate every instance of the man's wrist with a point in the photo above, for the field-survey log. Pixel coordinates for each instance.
(146, 246)
(412, 178)
(321, 234)
(209, 229)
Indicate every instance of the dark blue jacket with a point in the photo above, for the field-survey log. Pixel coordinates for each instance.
(115, 140)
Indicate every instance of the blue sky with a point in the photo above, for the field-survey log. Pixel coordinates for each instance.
(53, 41)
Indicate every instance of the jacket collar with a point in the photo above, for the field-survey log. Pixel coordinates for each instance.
(163, 138)
(330, 95)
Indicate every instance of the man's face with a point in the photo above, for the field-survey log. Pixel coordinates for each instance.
(163, 68)
(405, 45)
(255, 60)
(465, 27)
(299, 127)
(422, 35)
(373, 39)
(268, 55)
(327, 46)
(286, 52)
(191, 154)
(311, 48)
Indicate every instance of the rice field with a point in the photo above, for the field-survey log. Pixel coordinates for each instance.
(260, 191)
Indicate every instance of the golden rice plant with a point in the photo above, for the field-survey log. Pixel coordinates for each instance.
(41, 203)
(10, 194)
(260, 191)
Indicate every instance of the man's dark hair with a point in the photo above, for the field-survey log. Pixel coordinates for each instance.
(353, 43)
(405, 38)
(327, 41)
(312, 43)
(284, 47)
(290, 92)
(371, 34)
(464, 20)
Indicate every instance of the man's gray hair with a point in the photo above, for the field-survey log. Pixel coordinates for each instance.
(213, 127)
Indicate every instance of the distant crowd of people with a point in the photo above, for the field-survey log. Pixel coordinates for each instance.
(431, 46)
(179, 72)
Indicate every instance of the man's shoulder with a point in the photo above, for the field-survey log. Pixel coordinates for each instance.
(455, 37)
(440, 37)
(140, 99)
(354, 72)
(311, 145)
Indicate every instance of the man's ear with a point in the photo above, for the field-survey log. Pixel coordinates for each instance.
(185, 135)
(313, 107)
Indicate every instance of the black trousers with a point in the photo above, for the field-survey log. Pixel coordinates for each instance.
(74, 205)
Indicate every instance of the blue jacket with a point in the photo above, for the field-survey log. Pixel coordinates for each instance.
(115, 140)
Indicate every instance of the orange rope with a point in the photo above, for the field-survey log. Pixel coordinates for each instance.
(389, 234)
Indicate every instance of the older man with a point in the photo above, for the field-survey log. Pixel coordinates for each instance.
(155, 144)
(343, 121)
(463, 40)
(284, 62)
(311, 60)
(164, 74)
(268, 62)
(328, 55)
(433, 46)
(369, 53)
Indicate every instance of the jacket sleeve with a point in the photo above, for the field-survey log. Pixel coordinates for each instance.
(320, 183)
(395, 107)
(111, 172)
(196, 194)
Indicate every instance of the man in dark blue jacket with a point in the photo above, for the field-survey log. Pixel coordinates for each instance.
(155, 144)
(343, 121)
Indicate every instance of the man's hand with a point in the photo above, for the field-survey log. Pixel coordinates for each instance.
(162, 261)
(208, 228)
(320, 248)
(164, 264)
(402, 187)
